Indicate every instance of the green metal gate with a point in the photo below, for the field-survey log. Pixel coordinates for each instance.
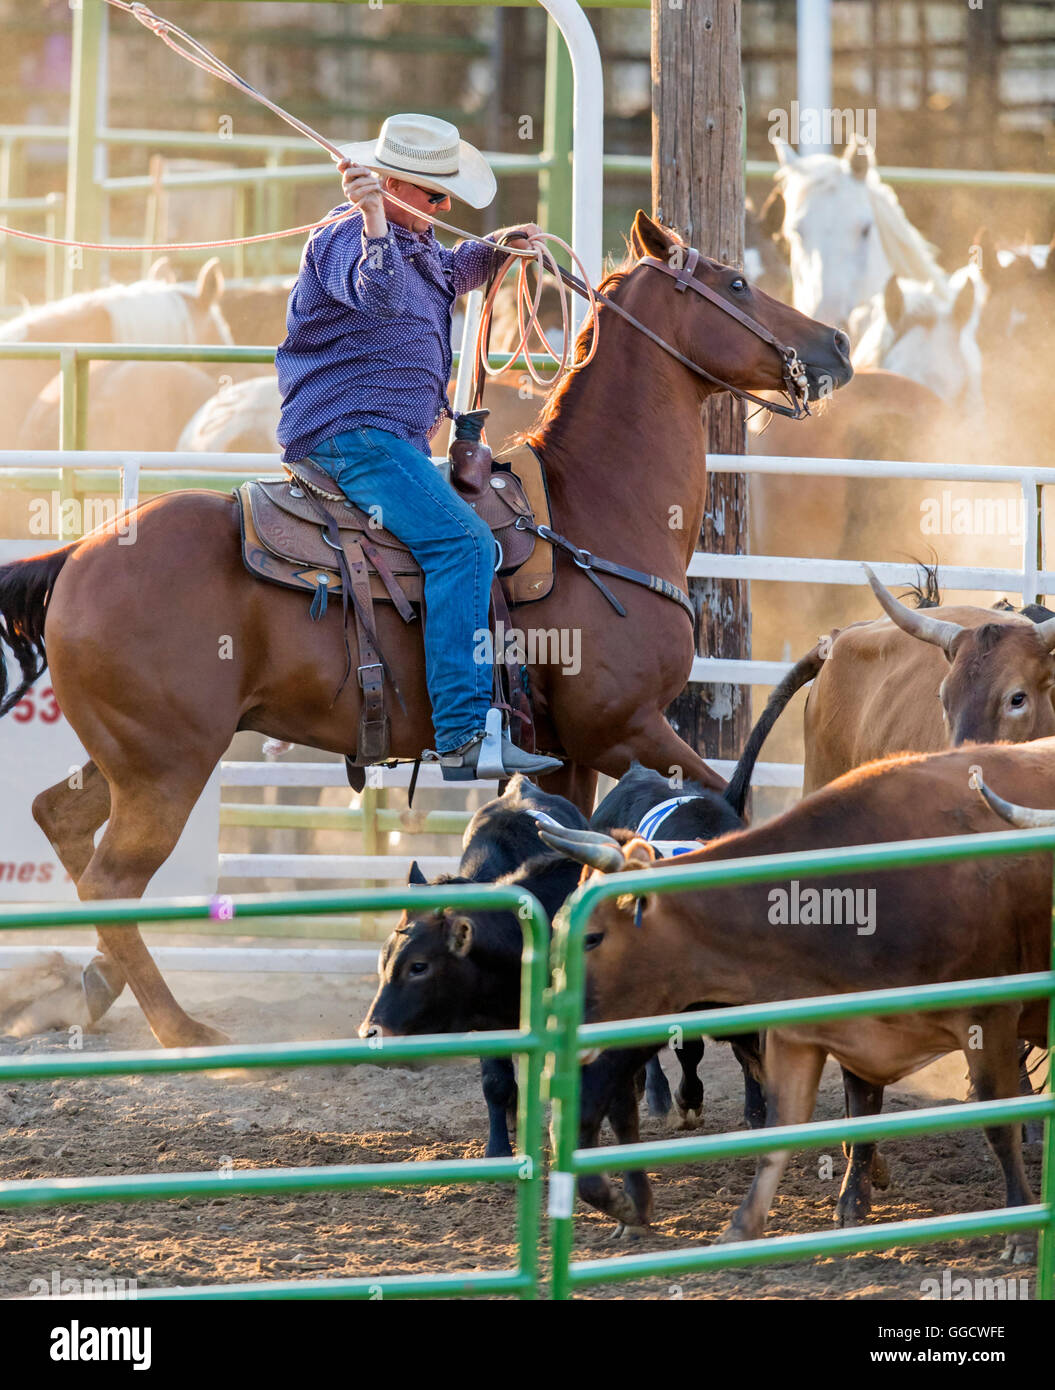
(551, 1022)
(567, 1008)
(527, 1044)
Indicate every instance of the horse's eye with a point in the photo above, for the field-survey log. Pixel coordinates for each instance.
(739, 285)
(1018, 699)
(417, 967)
(592, 939)
(865, 230)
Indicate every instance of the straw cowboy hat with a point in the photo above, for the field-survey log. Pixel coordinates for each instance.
(429, 152)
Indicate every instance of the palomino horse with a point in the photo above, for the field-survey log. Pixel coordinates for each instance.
(148, 311)
(162, 650)
(846, 232)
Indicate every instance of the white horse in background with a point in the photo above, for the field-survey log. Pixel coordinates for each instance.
(846, 233)
(926, 334)
(153, 310)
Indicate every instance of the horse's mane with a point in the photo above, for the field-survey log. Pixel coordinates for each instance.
(613, 277)
(908, 252)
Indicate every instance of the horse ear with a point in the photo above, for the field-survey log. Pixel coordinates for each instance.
(859, 157)
(162, 269)
(963, 308)
(786, 156)
(647, 238)
(415, 875)
(983, 254)
(771, 218)
(893, 302)
(209, 286)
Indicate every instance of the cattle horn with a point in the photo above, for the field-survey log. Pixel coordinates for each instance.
(585, 846)
(1046, 633)
(1021, 817)
(916, 624)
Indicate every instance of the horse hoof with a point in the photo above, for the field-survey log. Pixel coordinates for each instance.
(732, 1235)
(1021, 1249)
(623, 1211)
(197, 1035)
(101, 984)
(685, 1119)
(849, 1218)
(628, 1232)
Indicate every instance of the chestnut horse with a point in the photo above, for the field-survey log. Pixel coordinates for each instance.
(160, 651)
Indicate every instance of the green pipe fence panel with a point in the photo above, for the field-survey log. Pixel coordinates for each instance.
(528, 1044)
(566, 1010)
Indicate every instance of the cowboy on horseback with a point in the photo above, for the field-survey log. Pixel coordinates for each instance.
(363, 374)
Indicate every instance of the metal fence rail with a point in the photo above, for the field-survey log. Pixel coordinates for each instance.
(528, 1044)
(566, 1006)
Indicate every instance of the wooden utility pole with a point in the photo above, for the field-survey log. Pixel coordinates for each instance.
(698, 188)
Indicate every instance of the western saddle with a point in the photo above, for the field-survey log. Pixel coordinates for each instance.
(302, 533)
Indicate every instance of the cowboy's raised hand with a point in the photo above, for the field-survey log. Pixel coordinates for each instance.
(361, 186)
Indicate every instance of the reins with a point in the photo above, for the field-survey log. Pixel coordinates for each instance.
(795, 385)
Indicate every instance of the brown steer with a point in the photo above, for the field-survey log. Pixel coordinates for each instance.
(920, 680)
(955, 921)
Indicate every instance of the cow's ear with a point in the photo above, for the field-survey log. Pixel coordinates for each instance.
(415, 875)
(639, 854)
(459, 936)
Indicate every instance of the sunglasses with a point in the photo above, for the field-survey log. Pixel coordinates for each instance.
(435, 198)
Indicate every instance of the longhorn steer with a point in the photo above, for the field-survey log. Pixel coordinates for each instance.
(954, 921)
(921, 680)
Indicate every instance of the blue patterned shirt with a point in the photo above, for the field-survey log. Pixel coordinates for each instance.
(369, 333)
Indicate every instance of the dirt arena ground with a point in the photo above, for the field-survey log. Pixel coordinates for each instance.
(368, 1114)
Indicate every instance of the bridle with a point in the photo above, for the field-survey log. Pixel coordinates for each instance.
(796, 385)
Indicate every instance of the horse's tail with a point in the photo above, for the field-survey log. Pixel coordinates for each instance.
(25, 591)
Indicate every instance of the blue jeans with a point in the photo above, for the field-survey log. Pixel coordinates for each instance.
(456, 551)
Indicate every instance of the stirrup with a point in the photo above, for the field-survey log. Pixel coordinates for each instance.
(490, 762)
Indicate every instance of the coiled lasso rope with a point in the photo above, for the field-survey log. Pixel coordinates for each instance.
(539, 245)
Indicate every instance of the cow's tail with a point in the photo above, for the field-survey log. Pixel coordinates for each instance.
(805, 669)
(25, 590)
